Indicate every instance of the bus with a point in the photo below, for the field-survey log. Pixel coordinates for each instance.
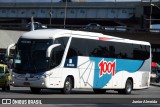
(66, 59)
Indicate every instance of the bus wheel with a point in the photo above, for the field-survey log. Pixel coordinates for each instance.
(128, 87)
(99, 91)
(67, 86)
(35, 90)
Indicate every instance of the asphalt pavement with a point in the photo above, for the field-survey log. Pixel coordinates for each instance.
(23, 93)
(155, 84)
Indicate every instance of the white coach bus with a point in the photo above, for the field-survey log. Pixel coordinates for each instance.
(67, 59)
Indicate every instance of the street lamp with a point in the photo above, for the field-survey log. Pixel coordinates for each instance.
(65, 14)
(50, 14)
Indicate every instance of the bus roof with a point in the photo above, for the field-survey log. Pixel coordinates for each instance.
(54, 33)
(44, 33)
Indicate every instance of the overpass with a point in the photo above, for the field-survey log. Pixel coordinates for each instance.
(8, 37)
(74, 10)
(133, 14)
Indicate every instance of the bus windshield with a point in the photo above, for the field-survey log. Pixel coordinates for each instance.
(30, 55)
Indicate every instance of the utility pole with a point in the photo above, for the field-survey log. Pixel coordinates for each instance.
(65, 13)
(50, 13)
(150, 18)
(32, 23)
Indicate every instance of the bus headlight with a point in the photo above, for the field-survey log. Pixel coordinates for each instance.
(45, 75)
(42, 76)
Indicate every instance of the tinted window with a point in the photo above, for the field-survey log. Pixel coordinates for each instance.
(141, 52)
(122, 50)
(56, 57)
(77, 48)
(97, 48)
(30, 55)
(2, 57)
(107, 49)
(63, 41)
(57, 52)
(1, 69)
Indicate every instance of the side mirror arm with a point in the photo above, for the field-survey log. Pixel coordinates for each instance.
(48, 52)
(9, 48)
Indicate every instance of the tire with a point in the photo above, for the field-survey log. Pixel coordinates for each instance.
(67, 86)
(157, 80)
(128, 87)
(99, 91)
(35, 90)
(6, 87)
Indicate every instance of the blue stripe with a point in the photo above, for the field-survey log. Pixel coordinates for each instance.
(130, 66)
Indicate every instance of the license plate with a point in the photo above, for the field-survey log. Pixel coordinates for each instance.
(26, 83)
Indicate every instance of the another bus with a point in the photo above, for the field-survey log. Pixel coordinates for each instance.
(66, 59)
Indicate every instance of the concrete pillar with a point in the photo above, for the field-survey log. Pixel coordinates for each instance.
(139, 11)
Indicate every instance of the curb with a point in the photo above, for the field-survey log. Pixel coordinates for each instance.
(158, 85)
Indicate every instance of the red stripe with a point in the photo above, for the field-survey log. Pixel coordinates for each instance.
(105, 39)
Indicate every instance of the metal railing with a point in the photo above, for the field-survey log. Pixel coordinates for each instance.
(22, 27)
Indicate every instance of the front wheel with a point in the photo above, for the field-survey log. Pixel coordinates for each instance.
(67, 86)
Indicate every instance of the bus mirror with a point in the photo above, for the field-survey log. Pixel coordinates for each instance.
(8, 49)
(48, 53)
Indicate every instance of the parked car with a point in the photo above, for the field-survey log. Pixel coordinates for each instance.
(155, 28)
(155, 75)
(37, 25)
(94, 26)
(116, 28)
(4, 77)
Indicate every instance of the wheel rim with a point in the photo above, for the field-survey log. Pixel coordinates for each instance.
(68, 86)
(129, 87)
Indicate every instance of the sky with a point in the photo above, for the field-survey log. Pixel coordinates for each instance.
(59, 0)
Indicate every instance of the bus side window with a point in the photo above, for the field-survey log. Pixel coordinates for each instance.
(77, 48)
(56, 57)
(71, 53)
